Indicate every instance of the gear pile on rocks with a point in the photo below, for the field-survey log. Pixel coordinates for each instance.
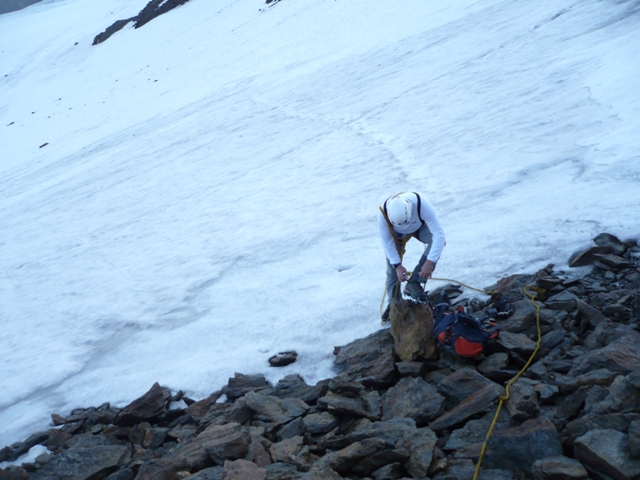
(573, 414)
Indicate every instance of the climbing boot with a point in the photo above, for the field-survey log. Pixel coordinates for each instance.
(385, 316)
(414, 290)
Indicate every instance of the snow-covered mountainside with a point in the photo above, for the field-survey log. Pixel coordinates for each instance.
(188, 198)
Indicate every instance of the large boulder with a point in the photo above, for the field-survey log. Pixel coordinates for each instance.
(213, 446)
(523, 402)
(364, 404)
(582, 425)
(623, 396)
(390, 431)
(413, 398)
(369, 359)
(295, 386)
(412, 330)
(241, 384)
(79, 463)
(460, 385)
(519, 447)
(621, 355)
(347, 458)
(559, 468)
(243, 470)
(277, 410)
(282, 451)
(475, 404)
(420, 444)
(146, 408)
(607, 452)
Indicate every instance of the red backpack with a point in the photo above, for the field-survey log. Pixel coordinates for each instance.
(462, 334)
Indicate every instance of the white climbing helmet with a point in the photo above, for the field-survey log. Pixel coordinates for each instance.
(398, 211)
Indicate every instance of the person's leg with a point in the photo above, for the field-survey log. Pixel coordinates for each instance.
(393, 289)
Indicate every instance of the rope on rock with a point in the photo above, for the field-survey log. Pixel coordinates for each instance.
(505, 397)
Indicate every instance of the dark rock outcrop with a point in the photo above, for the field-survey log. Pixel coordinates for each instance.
(153, 9)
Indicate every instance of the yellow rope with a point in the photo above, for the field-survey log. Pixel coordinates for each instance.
(504, 398)
(488, 292)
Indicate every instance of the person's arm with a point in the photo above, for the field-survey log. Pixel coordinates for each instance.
(388, 242)
(428, 214)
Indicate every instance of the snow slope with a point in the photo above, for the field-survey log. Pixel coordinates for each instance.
(208, 191)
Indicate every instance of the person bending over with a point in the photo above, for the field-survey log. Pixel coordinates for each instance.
(404, 216)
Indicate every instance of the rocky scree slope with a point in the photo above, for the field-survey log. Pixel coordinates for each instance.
(574, 414)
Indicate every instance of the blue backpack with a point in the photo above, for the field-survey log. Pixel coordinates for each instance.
(461, 334)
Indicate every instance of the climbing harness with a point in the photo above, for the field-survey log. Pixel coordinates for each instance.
(505, 397)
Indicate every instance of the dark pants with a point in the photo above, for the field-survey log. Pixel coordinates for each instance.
(393, 287)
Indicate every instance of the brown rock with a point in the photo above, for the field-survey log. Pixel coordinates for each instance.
(601, 376)
(366, 404)
(240, 385)
(582, 425)
(283, 359)
(420, 444)
(613, 243)
(562, 301)
(411, 369)
(615, 262)
(259, 451)
(199, 409)
(278, 410)
(606, 451)
(231, 446)
(348, 457)
(294, 386)
(624, 395)
(591, 314)
(412, 330)
(516, 342)
(86, 462)
(391, 431)
(243, 470)
(558, 468)
(369, 359)
(523, 402)
(146, 408)
(322, 474)
(58, 419)
(473, 405)
(284, 450)
(586, 257)
(322, 422)
(379, 460)
(216, 443)
(621, 355)
(460, 385)
(413, 398)
(519, 447)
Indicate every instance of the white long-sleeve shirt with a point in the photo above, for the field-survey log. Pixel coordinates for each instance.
(427, 213)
